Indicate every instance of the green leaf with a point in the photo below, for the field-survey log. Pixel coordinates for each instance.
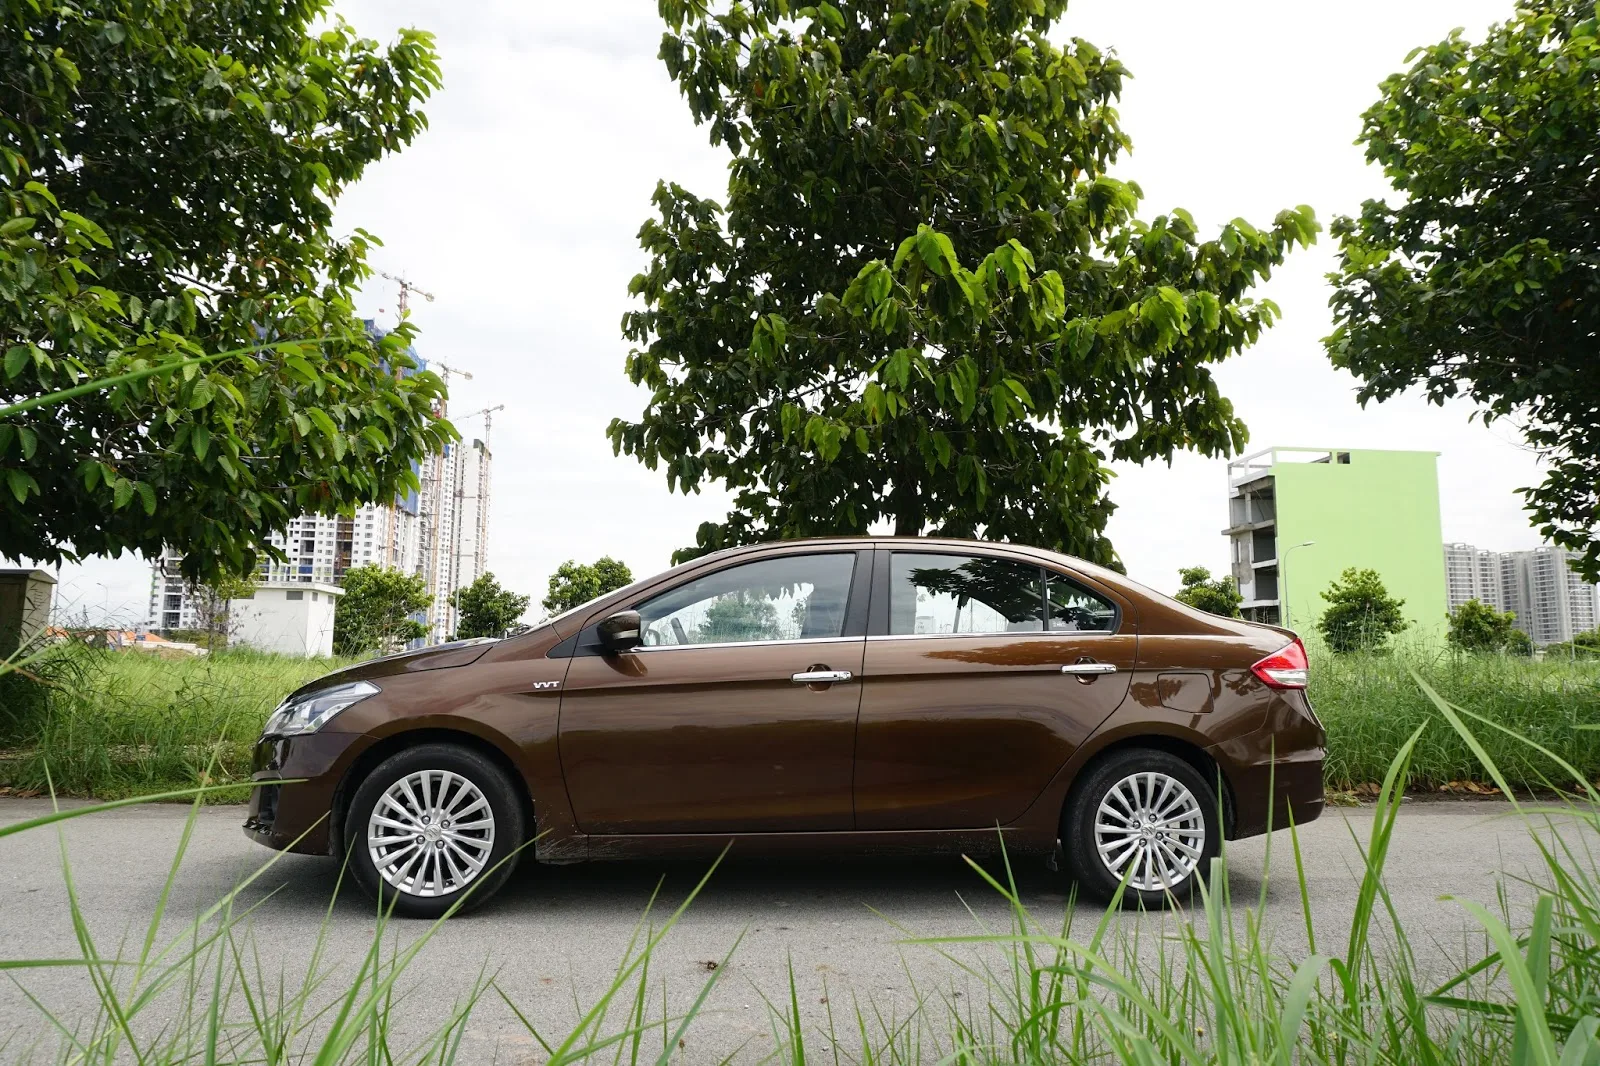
(323, 423)
(20, 484)
(201, 394)
(1021, 393)
(11, 227)
(148, 495)
(29, 441)
(16, 359)
(121, 493)
(200, 439)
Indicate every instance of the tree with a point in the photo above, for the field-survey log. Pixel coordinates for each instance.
(926, 302)
(168, 175)
(574, 583)
(1519, 643)
(374, 614)
(1476, 626)
(742, 616)
(211, 608)
(1481, 281)
(1200, 591)
(1585, 645)
(487, 610)
(1361, 614)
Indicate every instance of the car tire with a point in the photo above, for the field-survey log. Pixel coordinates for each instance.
(1144, 815)
(464, 820)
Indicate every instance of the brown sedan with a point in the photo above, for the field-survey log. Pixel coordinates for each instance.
(864, 694)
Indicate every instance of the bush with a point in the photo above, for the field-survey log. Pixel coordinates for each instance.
(1220, 596)
(1361, 614)
(1475, 626)
(1370, 704)
(125, 723)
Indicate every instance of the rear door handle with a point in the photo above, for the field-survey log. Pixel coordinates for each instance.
(820, 677)
(1089, 668)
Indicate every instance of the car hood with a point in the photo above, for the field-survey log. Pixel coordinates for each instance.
(438, 657)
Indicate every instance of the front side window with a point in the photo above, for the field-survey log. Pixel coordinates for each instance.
(932, 594)
(796, 597)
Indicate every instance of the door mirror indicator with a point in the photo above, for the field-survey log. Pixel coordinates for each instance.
(621, 631)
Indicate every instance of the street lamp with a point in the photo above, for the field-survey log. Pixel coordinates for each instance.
(1283, 578)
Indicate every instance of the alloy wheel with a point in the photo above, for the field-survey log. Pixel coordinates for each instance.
(431, 833)
(1150, 829)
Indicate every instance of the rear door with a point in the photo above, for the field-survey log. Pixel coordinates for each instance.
(739, 712)
(983, 673)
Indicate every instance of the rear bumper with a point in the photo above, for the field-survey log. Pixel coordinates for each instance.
(297, 780)
(1276, 796)
(1275, 774)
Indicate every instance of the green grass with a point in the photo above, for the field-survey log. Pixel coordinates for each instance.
(1217, 992)
(126, 723)
(1370, 704)
(122, 724)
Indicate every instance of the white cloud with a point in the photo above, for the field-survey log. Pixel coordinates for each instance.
(519, 208)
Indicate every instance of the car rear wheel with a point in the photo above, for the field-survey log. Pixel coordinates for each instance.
(1143, 817)
(432, 826)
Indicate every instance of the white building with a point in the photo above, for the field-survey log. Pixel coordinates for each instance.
(454, 530)
(439, 532)
(1551, 602)
(1473, 574)
(319, 549)
(288, 617)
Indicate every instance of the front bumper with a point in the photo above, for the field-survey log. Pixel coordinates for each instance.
(297, 782)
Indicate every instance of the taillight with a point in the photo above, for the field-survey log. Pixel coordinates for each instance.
(1284, 668)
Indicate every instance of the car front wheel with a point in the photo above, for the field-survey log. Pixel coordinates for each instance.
(1143, 817)
(432, 826)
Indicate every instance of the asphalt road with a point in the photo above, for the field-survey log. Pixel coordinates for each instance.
(554, 937)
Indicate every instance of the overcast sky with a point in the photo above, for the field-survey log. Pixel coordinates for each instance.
(518, 209)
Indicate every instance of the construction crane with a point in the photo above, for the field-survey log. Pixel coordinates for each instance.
(406, 288)
(488, 419)
(445, 370)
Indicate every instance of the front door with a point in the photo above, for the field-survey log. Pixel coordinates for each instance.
(966, 712)
(738, 714)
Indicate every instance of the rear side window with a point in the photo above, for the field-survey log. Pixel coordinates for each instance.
(955, 594)
(1074, 609)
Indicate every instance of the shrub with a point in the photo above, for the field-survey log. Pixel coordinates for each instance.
(1361, 614)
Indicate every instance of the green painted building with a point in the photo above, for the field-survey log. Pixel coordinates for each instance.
(1297, 517)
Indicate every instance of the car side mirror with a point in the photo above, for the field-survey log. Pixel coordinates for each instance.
(621, 631)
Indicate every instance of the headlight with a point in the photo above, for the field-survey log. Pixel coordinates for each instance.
(308, 712)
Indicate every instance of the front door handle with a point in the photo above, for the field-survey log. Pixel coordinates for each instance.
(820, 677)
(1089, 668)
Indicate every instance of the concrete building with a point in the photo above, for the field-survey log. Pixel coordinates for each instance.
(25, 599)
(319, 549)
(439, 532)
(1551, 602)
(455, 531)
(1473, 573)
(1298, 517)
(288, 617)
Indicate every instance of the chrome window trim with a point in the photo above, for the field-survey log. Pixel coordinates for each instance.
(1028, 633)
(746, 643)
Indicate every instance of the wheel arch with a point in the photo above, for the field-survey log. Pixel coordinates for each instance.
(1179, 747)
(393, 744)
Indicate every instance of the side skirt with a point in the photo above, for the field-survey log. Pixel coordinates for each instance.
(978, 843)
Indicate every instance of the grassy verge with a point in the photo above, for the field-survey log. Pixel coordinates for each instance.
(125, 724)
(121, 724)
(1371, 704)
(1217, 993)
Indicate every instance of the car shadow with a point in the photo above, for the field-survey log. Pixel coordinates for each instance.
(736, 889)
